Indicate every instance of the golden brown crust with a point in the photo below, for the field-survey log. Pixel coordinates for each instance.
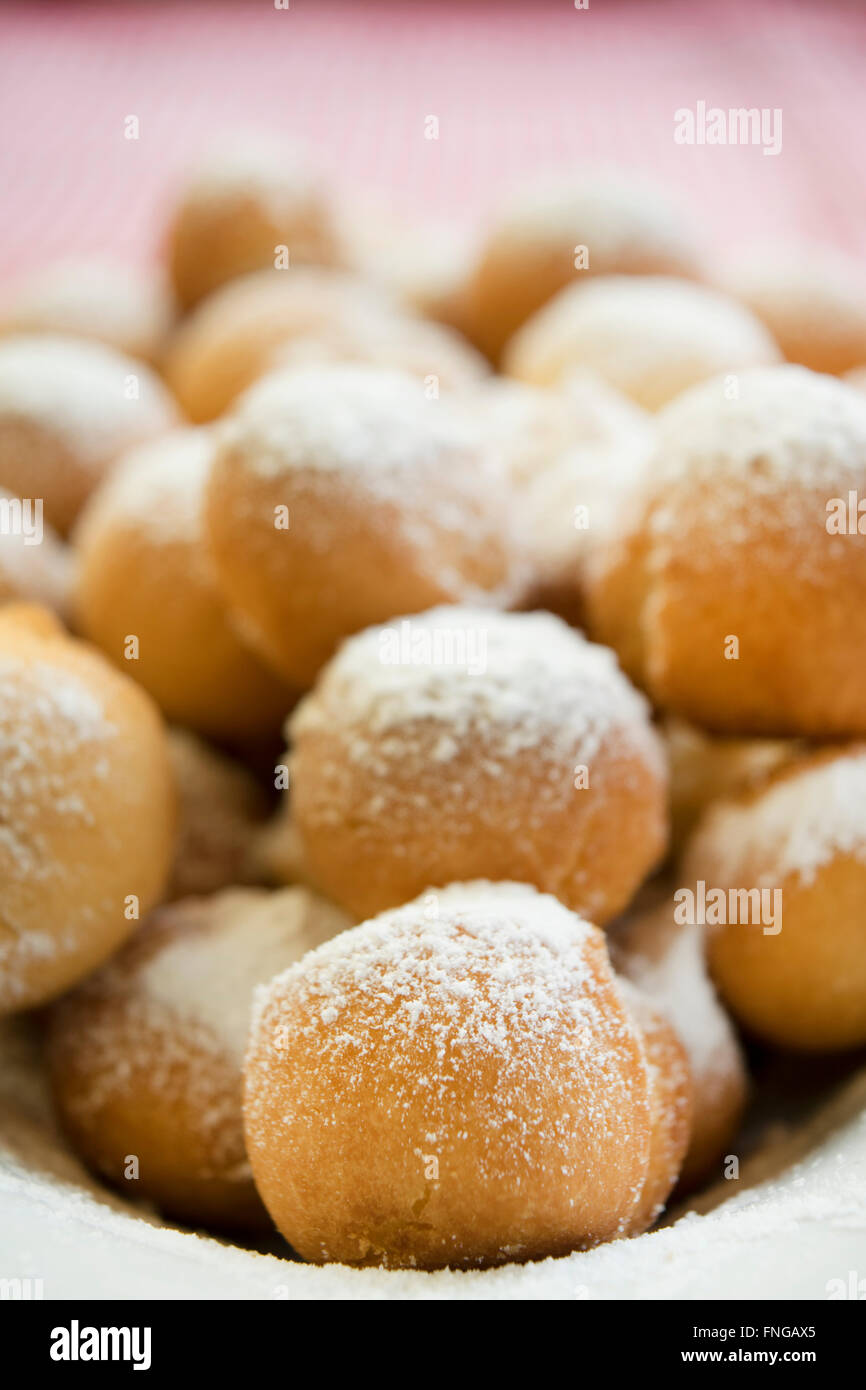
(551, 774)
(241, 206)
(145, 1058)
(696, 592)
(671, 1106)
(88, 803)
(341, 495)
(143, 573)
(529, 253)
(68, 409)
(397, 1120)
(798, 981)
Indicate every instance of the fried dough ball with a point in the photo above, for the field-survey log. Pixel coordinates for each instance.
(144, 575)
(128, 307)
(791, 859)
(665, 960)
(812, 300)
(571, 454)
(310, 316)
(651, 338)
(221, 812)
(705, 769)
(146, 1057)
(454, 1083)
(728, 593)
(35, 565)
(565, 229)
(465, 743)
(341, 495)
(86, 808)
(242, 204)
(68, 409)
(670, 1106)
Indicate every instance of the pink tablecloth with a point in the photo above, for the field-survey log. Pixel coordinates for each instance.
(514, 86)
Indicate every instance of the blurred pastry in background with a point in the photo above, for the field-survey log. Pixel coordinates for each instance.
(562, 229)
(128, 307)
(69, 407)
(648, 337)
(246, 203)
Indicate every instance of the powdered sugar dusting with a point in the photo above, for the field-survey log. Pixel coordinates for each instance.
(46, 715)
(529, 677)
(250, 935)
(794, 827)
(83, 392)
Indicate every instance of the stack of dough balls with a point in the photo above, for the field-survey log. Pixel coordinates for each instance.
(527, 635)
(730, 593)
(146, 595)
(562, 228)
(465, 743)
(340, 495)
(68, 409)
(86, 802)
(461, 1081)
(146, 1057)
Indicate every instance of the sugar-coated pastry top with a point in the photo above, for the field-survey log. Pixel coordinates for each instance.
(80, 390)
(418, 687)
(775, 451)
(812, 299)
(204, 957)
(415, 464)
(651, 337)
(799, 823)
(480, 971)
(125, 306)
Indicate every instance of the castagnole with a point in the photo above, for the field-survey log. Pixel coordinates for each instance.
(561, 230)
(786, 932)
(458, 1082)
(341, 495)
(146, 1057)
(650, 337)
(145, 593)
(87, 806)
(68, 409)
(311, 317)
(464, 743)
(735, 588)
(242, 208)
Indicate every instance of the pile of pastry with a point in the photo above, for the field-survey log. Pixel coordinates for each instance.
(431, 672)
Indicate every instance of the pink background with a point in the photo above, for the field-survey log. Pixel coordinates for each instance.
(515, 86)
